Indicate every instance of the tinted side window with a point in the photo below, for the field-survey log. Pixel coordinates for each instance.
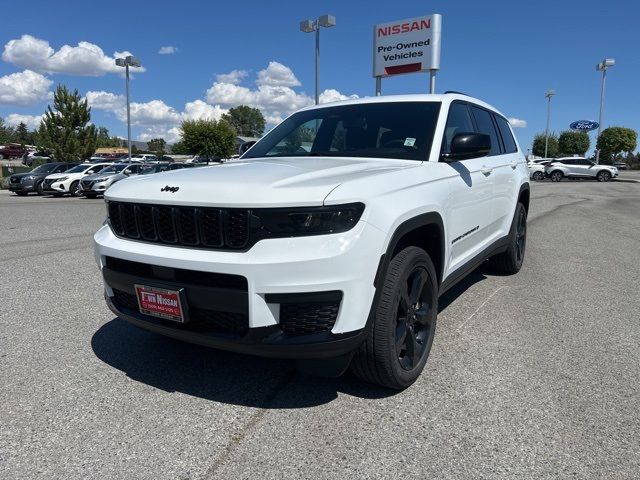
(458, 121)
(583, 161)
(507, 136)
(486, 126)
(568, 162)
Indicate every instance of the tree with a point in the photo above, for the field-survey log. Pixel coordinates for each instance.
(6, 132)
(157, 146)
(208, 138)
(615, 140)
(538, 145)
(572, 141)
(22, 135)
(178, 148)
(246, 121)
(67, 131)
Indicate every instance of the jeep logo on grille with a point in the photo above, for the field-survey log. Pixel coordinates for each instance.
(167, 188)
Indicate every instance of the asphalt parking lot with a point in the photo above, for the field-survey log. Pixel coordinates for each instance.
(531, 376)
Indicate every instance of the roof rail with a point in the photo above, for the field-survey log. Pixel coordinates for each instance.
(459, 93)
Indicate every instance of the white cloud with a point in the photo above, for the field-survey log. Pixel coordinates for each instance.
(277, 75)
(517, 123)
(168, 50)
(234, 77)
(331, 95)
(105, 101)
(24, 88)
(198, 109)
(170, 135)
(31, 121)
(86, 59)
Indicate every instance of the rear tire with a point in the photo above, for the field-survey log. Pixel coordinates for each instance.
(510, 261)
(399, 340)
(556, 176)
(603, 176)
(39, 189)
(538, 176)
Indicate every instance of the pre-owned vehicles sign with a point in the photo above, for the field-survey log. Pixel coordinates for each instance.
(407, 46)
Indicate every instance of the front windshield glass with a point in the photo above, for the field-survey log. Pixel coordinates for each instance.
(402, 130)
(79, 168)
(115, 168)
(44, 168)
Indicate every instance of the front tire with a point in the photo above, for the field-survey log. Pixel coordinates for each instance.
(510, 261)
(538, 176)
(399, 341)
(74, 189)
(556, 176)
(40, 189)
(603, 176)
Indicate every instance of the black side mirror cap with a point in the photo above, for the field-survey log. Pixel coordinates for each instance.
(245, 146)
(468, 145)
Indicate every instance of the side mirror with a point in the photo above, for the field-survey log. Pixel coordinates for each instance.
(245, 146)
(468, 145)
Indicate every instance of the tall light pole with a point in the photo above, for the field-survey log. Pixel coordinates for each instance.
(603, 66)
(309, 26)
(548, 94)
(126, 63)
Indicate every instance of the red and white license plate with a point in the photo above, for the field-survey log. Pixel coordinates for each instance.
(160, 302)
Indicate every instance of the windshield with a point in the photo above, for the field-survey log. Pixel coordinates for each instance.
(44, 168)
(115, 168)
(402, 130)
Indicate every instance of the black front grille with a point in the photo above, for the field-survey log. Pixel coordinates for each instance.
(200, 320)
(304, 318)
(187, 226)
(14, 179)
(87, 184)
(47, 182)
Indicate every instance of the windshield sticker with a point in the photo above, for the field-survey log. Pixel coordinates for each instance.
(409, 142)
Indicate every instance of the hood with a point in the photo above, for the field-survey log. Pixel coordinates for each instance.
(95, 176)
(300, 181)
(22, 175)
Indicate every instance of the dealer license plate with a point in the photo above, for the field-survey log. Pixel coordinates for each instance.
(161, 302)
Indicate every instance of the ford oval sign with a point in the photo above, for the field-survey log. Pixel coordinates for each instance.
(584, 125)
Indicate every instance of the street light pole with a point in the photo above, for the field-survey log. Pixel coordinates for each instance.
(603, 66)
(548, 94)
(309, 26)
(128, 113)
(127, 62)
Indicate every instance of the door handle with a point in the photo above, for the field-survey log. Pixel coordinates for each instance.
(513, 165)
(486, 170)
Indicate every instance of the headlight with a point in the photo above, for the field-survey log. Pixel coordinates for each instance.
(62, 179)
(290, 222)
(100, 180)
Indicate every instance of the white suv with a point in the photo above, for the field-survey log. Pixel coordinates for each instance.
(579, 167)
(59, 184)
(329, 241)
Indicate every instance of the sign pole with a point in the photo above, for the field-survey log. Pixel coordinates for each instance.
(432, 81)
(378, 86)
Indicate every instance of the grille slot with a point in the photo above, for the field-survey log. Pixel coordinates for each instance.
(225, 229)
(305, 318)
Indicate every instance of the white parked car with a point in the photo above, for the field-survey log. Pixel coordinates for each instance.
(536, 171)
(579, 167)
(59, 184)
(332, 255)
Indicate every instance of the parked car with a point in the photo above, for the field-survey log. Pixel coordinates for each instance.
(59, 184)
(579, 167)
(96, 184)
(35, 155)
(23, 183)
(621, 165)
(536, 171)
(144, 157)
(331, 256)
(11, 150)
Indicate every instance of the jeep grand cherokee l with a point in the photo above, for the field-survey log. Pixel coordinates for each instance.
(329, 241)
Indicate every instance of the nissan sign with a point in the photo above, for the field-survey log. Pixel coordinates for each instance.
(407, 46)
(584, 125)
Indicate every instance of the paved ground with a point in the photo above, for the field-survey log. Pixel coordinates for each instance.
(531, 376)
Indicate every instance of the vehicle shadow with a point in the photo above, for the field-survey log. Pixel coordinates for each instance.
(175, 366)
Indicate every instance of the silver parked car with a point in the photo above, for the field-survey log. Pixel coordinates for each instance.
(579, 167)
(95, 185)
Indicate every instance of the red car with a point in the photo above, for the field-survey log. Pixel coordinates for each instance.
(11, 151)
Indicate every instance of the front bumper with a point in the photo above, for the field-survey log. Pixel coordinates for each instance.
(57, 187)
(277, 271)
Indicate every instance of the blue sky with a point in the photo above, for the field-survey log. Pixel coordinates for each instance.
(506, 53)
